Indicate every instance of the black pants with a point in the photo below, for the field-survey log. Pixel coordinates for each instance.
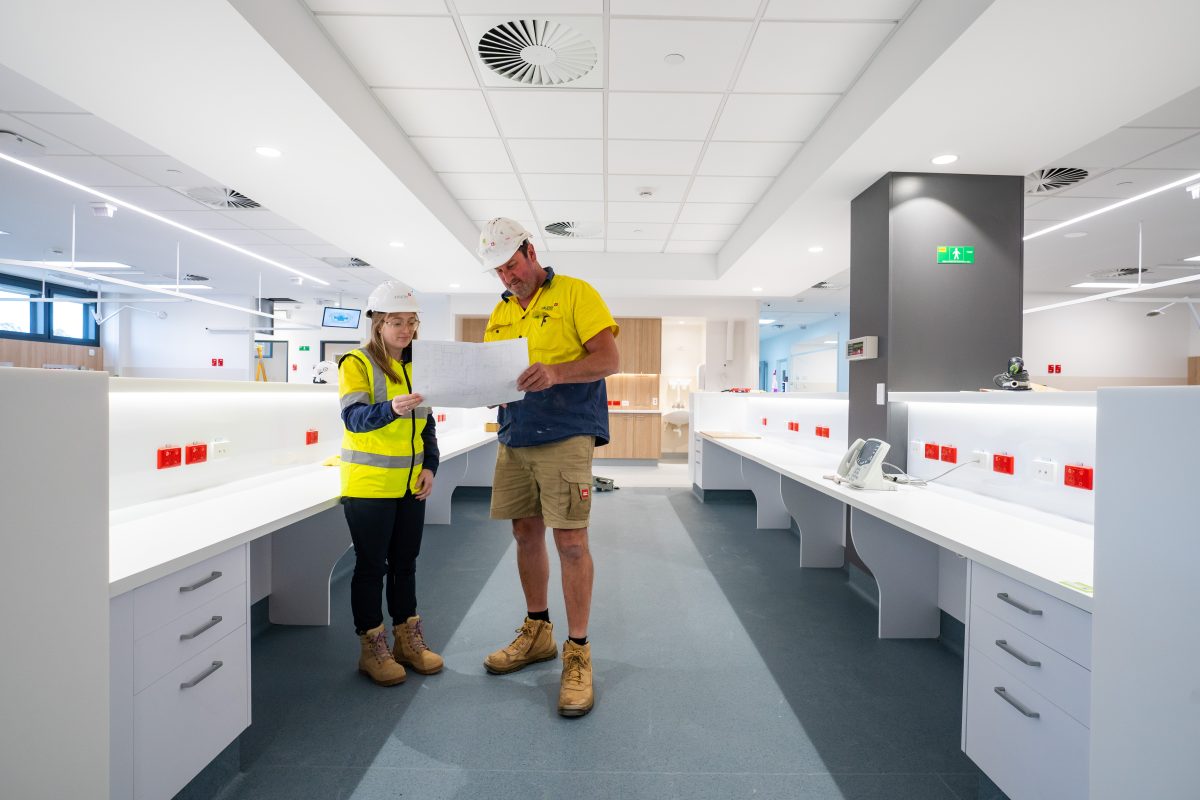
(387, 540)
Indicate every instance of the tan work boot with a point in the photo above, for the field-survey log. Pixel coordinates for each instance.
(411, 650)
(575, 693)
(376, 660)
(534, 643)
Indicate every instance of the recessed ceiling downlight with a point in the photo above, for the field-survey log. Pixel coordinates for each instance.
(268, 152)
(573, 230)
(942, 160)
(674, 58)
(537, 52)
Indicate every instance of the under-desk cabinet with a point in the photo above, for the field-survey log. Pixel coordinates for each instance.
(180, 693)
(1027, 692)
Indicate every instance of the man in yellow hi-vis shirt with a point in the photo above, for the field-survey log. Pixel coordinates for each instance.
(544, 464)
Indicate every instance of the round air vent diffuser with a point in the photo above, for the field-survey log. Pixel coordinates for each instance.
(1052, 179)
(220, 197)
(1120, 272)
(573, 230)
(537, 52)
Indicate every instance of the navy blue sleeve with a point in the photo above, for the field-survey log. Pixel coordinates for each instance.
(429, 442)
(364, 418)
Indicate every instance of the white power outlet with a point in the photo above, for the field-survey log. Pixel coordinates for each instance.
(1044, 470)
(916, 449)
(219, 448)
(982, 458)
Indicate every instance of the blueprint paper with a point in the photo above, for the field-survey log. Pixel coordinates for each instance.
(468, 374)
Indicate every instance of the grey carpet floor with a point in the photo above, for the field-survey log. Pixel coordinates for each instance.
(722, 670)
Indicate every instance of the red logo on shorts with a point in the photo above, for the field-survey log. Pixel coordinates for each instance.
(585, 492)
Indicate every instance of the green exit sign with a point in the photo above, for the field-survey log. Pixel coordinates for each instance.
(955, 254)
(304, 347)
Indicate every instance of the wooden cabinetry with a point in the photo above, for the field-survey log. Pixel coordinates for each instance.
(633, 435)
(640, 343)
(470, 329)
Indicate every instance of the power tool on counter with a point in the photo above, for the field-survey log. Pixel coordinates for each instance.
(1016, 378)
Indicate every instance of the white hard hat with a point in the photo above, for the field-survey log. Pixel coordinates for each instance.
(392, 296)
(499, 239)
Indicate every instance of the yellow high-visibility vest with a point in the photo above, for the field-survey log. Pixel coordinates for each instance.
(385, 462)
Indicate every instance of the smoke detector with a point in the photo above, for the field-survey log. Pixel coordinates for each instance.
(1052, 179)
(537, 52)
(573, 230)
(219, 197)
(346, 263)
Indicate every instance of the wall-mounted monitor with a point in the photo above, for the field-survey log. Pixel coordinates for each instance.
(340, 317)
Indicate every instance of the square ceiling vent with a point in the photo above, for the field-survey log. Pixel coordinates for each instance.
(538, 51)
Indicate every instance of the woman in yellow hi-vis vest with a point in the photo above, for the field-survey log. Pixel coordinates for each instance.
(389, 457)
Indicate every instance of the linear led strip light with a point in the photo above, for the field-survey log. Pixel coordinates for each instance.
(1116, 292)
(152, 215)
(122, 282)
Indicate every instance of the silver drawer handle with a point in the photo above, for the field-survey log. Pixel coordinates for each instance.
(1006, 647)
(1037, 612)
(183, 637)
(203, 581)
(1000, 690)
(216, 665)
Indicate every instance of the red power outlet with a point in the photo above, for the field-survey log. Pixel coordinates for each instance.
(1002, 463)
(169, 457)
(764, 419)
(310, 437)
(932, 452)
(950, 454)
(1079, 477)
(825, 432)
(195, 453)
(1058, 369)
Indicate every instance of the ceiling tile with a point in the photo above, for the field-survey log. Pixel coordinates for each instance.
(642, 212)
(243, 237)
(568, 211)
(549, 114)
(746, 158)
(1185, 155)
(650, 157)
(54, 145)
(634, 245)
(163, 170)
(703, 233)
(666, 189)
(483, 186)
(464, 155)
(558, 155)
(258, 218)
(440, 112)
(710, 49)
(838, 9)
(564, 187)
(1182, 112)
(637, 230)
(743, 9)
(561, 245)
(713, 189)
(156, 198)
(204, 220)
(417, 52)
(772, 117)
(319, 251)
(678, 246)
(1121, 183)
(715, 213)
(18, 93)
(489, 209)
(809, 56)
(1063, 208)
(661, 116)
(90, 171)
(512, 9)
(377, 6)
(1123, 146)
(292, 236)
(90, 133)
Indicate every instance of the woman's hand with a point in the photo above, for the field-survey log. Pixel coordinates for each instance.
(424, 484)
(402, 404)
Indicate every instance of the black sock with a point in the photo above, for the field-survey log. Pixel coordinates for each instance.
(544, 616)
(580, 642)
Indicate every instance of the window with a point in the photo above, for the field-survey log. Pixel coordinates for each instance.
(63, 319)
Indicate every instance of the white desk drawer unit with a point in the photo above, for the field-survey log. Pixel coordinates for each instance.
(1027, 700)
(181, 677)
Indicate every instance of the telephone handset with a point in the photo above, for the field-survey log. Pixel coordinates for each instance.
(862, 466)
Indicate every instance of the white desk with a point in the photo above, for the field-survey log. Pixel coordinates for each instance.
(1036, 549)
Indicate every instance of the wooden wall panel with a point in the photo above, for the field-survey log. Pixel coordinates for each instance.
(37, 354)
(470, 329)
(1194, 371)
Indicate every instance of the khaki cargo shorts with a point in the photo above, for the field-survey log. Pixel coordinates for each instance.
(553, 481)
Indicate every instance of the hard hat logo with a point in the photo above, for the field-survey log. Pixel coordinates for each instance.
(390, 297)
(499, 239)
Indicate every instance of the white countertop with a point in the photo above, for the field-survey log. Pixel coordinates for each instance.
(1036, 548)
(615, 410)
(155, 539)
(998, 398)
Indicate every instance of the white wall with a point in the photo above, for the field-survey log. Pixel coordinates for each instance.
(1107, 344)
(139, 345)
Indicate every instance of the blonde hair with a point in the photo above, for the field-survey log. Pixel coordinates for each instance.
(376, 349)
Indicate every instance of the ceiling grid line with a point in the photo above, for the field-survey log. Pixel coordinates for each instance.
(604, 120)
